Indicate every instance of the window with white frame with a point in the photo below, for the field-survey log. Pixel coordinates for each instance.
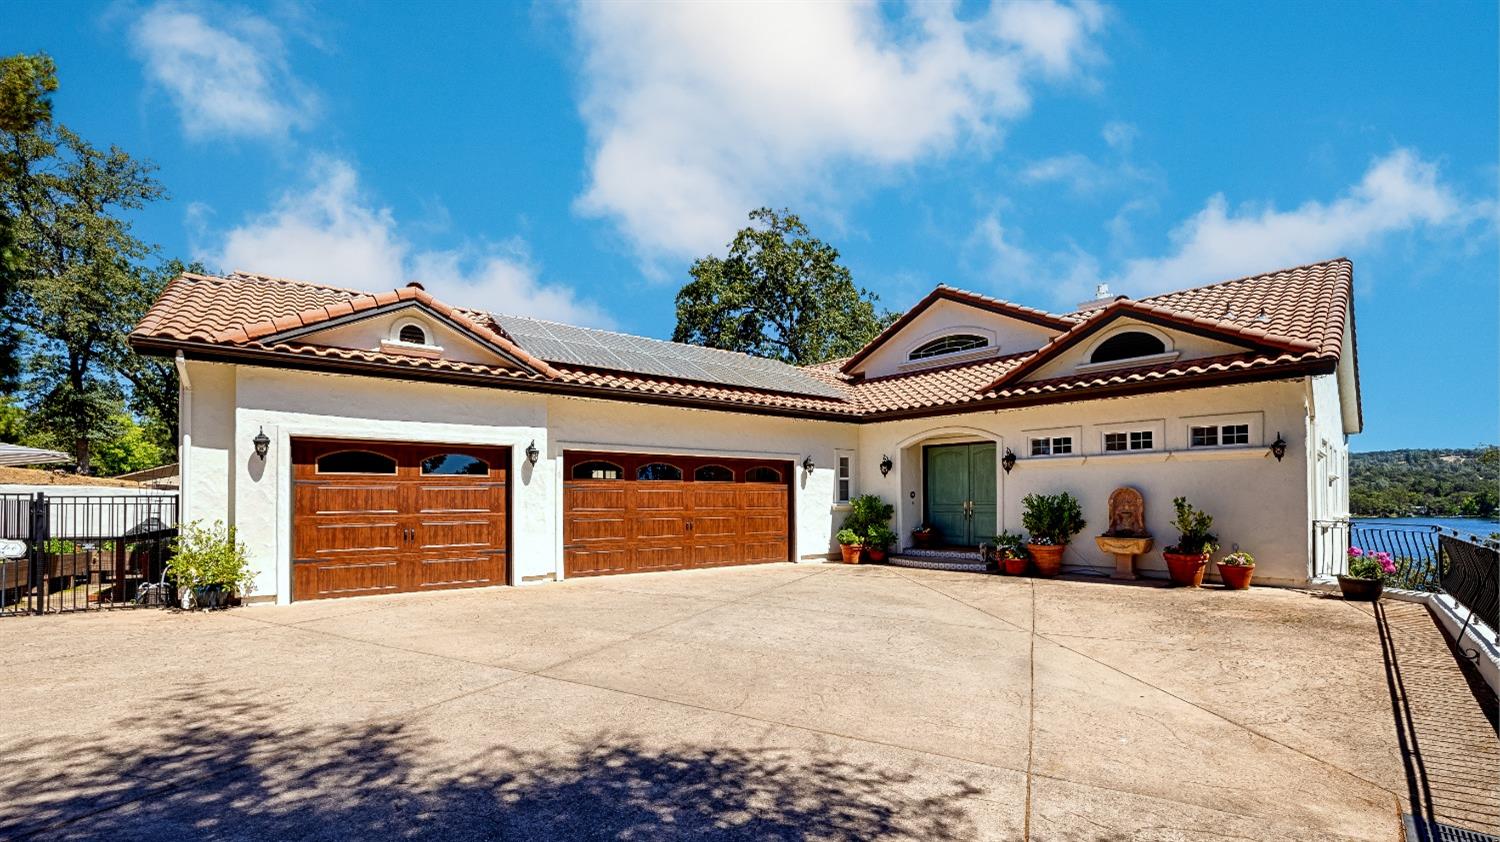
(845, 483)
(1125, 441)
(1051, 445)
(1218, 435)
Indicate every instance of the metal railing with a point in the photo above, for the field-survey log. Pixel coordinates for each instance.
(1415, 549)
(83, 552)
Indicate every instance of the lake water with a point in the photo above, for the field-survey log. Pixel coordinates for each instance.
(1463, 525)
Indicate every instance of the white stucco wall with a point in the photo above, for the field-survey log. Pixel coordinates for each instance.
(1258, 504)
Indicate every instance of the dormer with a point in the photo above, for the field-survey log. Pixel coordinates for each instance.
(1131, 335)
(407, 323)
(953, 327)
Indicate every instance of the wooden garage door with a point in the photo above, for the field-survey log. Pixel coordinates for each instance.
(382, 517)
(625, 513)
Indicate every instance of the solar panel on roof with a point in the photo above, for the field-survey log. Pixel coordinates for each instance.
(570, 345)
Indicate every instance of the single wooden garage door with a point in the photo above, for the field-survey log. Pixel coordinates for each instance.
(384, 517)
(628, 513)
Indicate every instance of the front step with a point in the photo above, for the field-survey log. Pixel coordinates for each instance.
(956, 560)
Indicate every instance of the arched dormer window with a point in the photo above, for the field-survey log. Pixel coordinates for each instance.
(950, 344)
(1127, 346)
(413, 334)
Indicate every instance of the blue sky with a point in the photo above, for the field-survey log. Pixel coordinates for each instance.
(570, 161)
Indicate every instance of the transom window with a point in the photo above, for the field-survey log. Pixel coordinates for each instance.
(1126, 346)
(413, 334)
(948, 345)
(454, 464)
(1219, 435)
(762, 474)
(596, 470)
(356, 462)
(845, 479)
(658, 471)
(713, 473)
(1127, 441)
(1052, 446)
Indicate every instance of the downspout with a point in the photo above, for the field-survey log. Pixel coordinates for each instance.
(184, 434)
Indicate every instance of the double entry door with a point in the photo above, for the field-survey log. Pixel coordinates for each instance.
(960, 492)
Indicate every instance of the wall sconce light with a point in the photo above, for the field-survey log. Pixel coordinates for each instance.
(807, 464)
(1278, 447)
(532, 454)
(885, 465)
(1008, 461)
(262, 444)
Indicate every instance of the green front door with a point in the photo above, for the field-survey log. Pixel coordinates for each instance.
(960, 492)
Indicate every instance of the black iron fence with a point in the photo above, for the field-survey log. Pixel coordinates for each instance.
(1427, 557)
(77, 553)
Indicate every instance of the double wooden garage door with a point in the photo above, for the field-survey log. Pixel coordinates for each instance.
(625, 513)
(379, 517)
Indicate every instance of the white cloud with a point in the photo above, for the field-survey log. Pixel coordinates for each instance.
(224, 69)
(329, 231)
(1399, 193)
(1119, 135)
(698, 113)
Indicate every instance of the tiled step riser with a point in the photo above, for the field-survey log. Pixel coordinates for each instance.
(961, 563)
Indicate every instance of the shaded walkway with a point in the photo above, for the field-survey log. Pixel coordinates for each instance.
(1445, 722)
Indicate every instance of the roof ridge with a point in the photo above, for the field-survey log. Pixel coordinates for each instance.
(261, 278)
(1251, 277)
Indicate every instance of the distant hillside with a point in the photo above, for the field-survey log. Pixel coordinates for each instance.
(1438, 483)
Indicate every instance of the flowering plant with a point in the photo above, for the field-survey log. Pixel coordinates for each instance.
(1239, 559)
(1370, 564)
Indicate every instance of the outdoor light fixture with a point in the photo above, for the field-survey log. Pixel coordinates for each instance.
(1278, 447)
(885, 465)
(807, 464)
(262, 444)
(532, 454)
(1008, 461)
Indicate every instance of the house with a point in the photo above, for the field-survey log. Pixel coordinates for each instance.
(375, 442)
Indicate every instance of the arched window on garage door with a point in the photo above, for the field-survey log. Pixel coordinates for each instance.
(597, 470)
(762, 474)
(713, 473)
(356, 462)
(454, 464)
(658, 471)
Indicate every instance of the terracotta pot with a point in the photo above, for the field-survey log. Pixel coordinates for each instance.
(1014, 566)
(876, 553)
(923, 539)
(1361, 590)
(1236, 578)
(851, 552)
(1048, 558)
(1186, 570)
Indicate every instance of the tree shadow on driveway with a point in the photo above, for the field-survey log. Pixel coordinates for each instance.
(217, 768)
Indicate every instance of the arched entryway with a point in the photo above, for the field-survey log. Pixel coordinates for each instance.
(951, 480)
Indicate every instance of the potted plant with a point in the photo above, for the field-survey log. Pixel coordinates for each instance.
(1188, 558)
(1052, 520)
(869, 520)
(1010, 552)
(1368, 569)
(209, 566)
(923, 536)
(879, 540)
(1236, 569)
(850, 545)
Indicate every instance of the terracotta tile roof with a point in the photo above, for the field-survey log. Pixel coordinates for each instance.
(1288, 319)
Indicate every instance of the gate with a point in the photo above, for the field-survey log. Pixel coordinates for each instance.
(83, 552)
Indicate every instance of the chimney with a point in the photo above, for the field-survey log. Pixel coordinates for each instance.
(1101, 298)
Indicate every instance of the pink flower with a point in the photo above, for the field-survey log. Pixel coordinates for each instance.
(1386, 564)
(1355, 552)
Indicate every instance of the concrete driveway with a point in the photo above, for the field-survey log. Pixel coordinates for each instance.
(779, 701)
